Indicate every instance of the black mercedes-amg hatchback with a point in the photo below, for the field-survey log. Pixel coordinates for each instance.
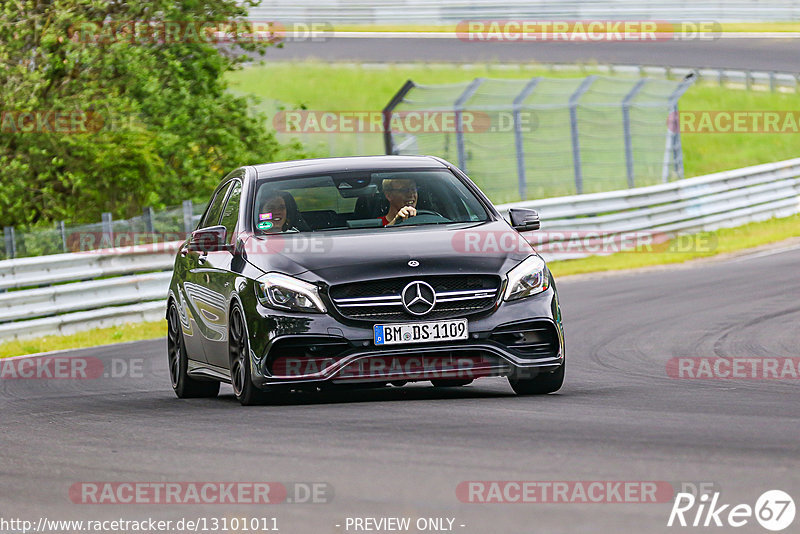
(366, 270)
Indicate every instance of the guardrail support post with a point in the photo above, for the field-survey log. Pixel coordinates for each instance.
(188, 216)
(772, 81)
(62, 229)
(108, 228)
(626, 128)
(11, 242)
(147, 217)
(458, 107)
(573, 121)
(525, 93)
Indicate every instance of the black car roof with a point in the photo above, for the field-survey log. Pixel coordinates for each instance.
(357, 163)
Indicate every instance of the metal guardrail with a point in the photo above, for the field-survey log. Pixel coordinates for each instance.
(704, 203)
(111, 288)
(748, 79)
(107, 287)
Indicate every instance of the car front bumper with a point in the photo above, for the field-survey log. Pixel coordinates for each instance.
(294, 349)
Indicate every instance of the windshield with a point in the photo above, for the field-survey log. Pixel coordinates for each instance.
(378, 200)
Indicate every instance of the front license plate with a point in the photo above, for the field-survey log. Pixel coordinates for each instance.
(392, 334)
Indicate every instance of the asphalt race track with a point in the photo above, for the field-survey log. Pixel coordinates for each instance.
(403, 451)
(749, 53)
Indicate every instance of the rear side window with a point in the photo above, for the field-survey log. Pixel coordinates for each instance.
(230, 215)
(214, 210)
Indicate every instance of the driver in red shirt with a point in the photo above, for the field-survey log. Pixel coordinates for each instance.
(402, 196)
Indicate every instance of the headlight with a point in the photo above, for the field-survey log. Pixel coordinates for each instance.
(283, 292)
(528, 278)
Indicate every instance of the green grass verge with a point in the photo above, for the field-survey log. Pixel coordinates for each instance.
(708, 244)
(324, 86)
(88, 338)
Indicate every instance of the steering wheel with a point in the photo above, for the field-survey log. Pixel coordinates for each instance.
(429, 212)
(424, 217)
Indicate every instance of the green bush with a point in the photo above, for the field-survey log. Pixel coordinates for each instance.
(162, 127)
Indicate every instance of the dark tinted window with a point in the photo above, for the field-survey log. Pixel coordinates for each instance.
(230, 215)
(360, 200)
(211, 218)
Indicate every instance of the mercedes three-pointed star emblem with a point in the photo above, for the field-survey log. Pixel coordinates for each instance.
(418, 297)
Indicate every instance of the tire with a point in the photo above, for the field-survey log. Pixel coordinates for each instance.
(239, 349)
(451, 382)
(185, 387)
(541, 384)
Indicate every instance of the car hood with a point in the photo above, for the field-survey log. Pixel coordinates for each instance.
(350, 255)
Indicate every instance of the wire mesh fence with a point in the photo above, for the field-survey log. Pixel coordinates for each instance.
(544, 137)
(171, 224)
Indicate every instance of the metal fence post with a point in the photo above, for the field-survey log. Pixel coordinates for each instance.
(458, 107)
(525, 93)
(108, 227)
(188, 217)
(147, 217)
(626, 128)
(573, 123)
(11, 242)
(62, 229)
(673, 149)
(388, 142)
(772, 81)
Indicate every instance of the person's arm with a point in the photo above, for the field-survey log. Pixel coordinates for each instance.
(404, 213)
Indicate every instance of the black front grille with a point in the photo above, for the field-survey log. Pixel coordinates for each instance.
(379, 300)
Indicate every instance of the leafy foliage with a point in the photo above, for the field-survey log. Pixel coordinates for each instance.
(168, 129)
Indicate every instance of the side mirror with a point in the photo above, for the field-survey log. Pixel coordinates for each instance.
(524, 220)
(210, 239)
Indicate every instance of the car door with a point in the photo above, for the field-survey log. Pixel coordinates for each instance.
(220, 276)
(203, 306)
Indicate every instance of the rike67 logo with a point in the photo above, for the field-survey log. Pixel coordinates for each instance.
(774, 510)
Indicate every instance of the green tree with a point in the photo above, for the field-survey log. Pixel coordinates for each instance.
(153, 122)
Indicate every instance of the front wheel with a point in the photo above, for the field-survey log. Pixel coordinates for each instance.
(184, 386)
(239, 349)
(540, 384)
